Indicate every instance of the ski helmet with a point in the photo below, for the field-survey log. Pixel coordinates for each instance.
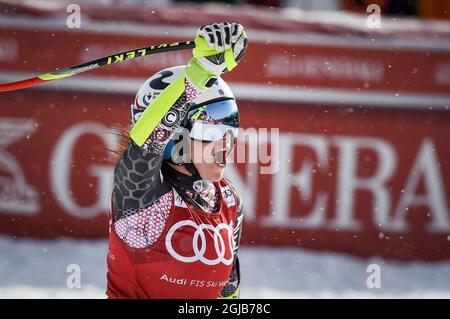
(212, 113)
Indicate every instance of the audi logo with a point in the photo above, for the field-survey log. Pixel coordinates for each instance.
(199, 253)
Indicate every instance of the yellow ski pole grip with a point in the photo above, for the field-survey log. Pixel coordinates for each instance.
(202, 49)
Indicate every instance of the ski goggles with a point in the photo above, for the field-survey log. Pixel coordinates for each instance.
(210, 122)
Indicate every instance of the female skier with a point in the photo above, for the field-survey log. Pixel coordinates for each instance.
(175, 221)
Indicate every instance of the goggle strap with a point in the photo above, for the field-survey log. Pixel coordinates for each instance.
(198, 113)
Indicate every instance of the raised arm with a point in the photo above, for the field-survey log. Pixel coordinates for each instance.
(137, 179)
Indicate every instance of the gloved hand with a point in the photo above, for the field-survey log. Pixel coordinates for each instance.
(218, 49)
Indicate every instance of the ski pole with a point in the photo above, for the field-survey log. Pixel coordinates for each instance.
(87, 66)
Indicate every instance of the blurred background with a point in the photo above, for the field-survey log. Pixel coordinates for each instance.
(354, 201)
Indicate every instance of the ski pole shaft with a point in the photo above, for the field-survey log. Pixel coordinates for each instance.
(87, 66)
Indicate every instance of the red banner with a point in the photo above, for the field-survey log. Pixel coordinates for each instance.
(371, 68)
(339, 178)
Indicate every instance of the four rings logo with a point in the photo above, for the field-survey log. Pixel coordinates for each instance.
(199, 243)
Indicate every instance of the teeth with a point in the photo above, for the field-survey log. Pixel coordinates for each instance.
(220, 158)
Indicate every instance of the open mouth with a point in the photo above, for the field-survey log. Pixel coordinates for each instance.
(220, 158)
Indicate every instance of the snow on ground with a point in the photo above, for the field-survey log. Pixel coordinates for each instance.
(37, 269)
